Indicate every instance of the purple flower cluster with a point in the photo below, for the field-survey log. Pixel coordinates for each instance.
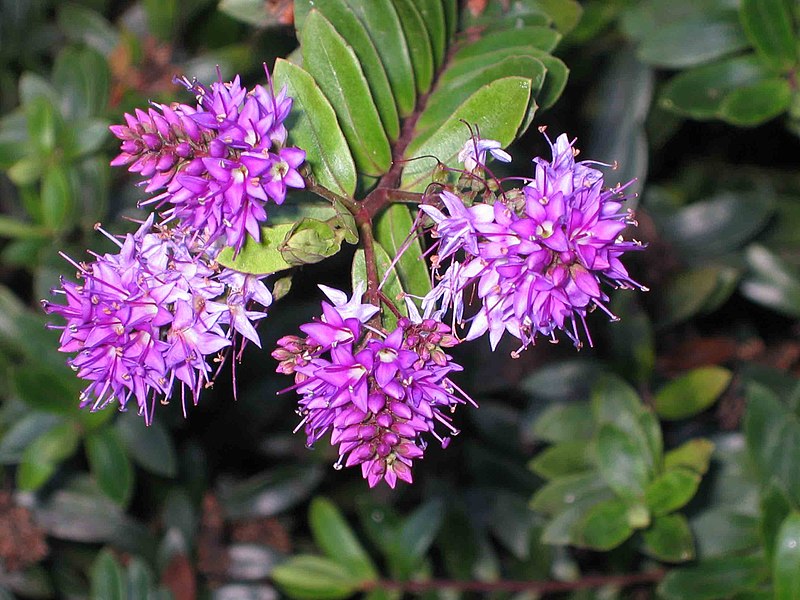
(377, 394)
(152, 314)
(218, 163)
(538, 255)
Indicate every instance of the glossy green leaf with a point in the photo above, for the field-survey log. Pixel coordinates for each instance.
(605, 526)
(769, 27)
(151, 447)
(110, 465)
(419, 43)
(139, 580)
(451, 17)
(564, 491)
(392, 288)
(565, 13)
(313, 126)
(771, 282)
(381, 21)
(43, 388)
(83, 81)
(694, 454)
(453, 91)
(44, 123)
(418, 530)
(352, 30)
(671, 490)
(336, 538)
(314, 578)
(566, 458)
(722, 532)
(268, 493)
(543, 38)
(775, 507)
(22, 433)
(41, 459)
(669, 539)
(81, 24)
(718, 225)
(691, 42)
(259, 258)
(252, 12)
(786, 564)
(392, 231)
(713, 579)
(58, 202)
(107, 578)
(756, 103)
(335, 68)
(621, 461)
(496, 109)
(690, 291)
(699, 92)
(773, 439)
(433, 14)
(692, 393)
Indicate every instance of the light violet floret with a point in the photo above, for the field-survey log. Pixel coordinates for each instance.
(473, 153)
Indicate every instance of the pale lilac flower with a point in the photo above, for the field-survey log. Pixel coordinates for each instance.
(473, 153)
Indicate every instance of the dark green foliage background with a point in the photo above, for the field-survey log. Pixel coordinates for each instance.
(670, 449)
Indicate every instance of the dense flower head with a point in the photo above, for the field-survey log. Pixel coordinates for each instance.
(377, 393)
(216, 164)
(537, 255)
(150, 315)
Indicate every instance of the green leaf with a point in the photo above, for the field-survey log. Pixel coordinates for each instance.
(81, 24)
(691, 42)
(392, 231)
(605, 526)
(694, 454)
(42, 457)
(57, 200)
(669, 539)
(314, 578)
(786, 564)
(82, 78)
(453, 91)
(22, 433)
(151, 447)
(44, 123)
(259, 258)
(107, 578)
(268, 493)
(419, 44)
(253, 12)
(335, 537)
(621, 461)
(433, 15)
(692, 393)
(671, 490)
(392, 288)
(381, 21)
(771, 282)
(768, 25)
(567, 458)
(564, 491)
(723, 532)
(418, 530)
(140, 579)
(775, 507)
(110, 465)
(313, 126)
(352, 30)
(565, 13)
(43, 388)
(563, 423)
(310, 241)
(699, 92)
(335, 67)
(713, 579)
(543, 38)
(691, 291)
(756, 103)
(773, 439)
(497, 109)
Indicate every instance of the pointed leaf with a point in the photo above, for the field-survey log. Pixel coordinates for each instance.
(107, 578)
(334, 535)
(769, 27)
(771, 282)
(351, 29)
(419, 44)
(621, 461)
(110, 464)
(314, 578)
(694, 454)
(669, 539)
(565, 13)
(497, 109)
(392, 231)
(58, 203)
(671, 490)
(381, 21)
(756, 103)
(692, 393)
(775, 507)
(335, 67)
(543, 38)
(313, 126)
(605, 526)
(566, 458)
(433, 14)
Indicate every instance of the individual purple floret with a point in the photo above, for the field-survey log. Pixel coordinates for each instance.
(150, 315)
(218, 163)
(377, 394)
(538, 256)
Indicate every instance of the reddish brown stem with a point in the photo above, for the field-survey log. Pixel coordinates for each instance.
(542, 587)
